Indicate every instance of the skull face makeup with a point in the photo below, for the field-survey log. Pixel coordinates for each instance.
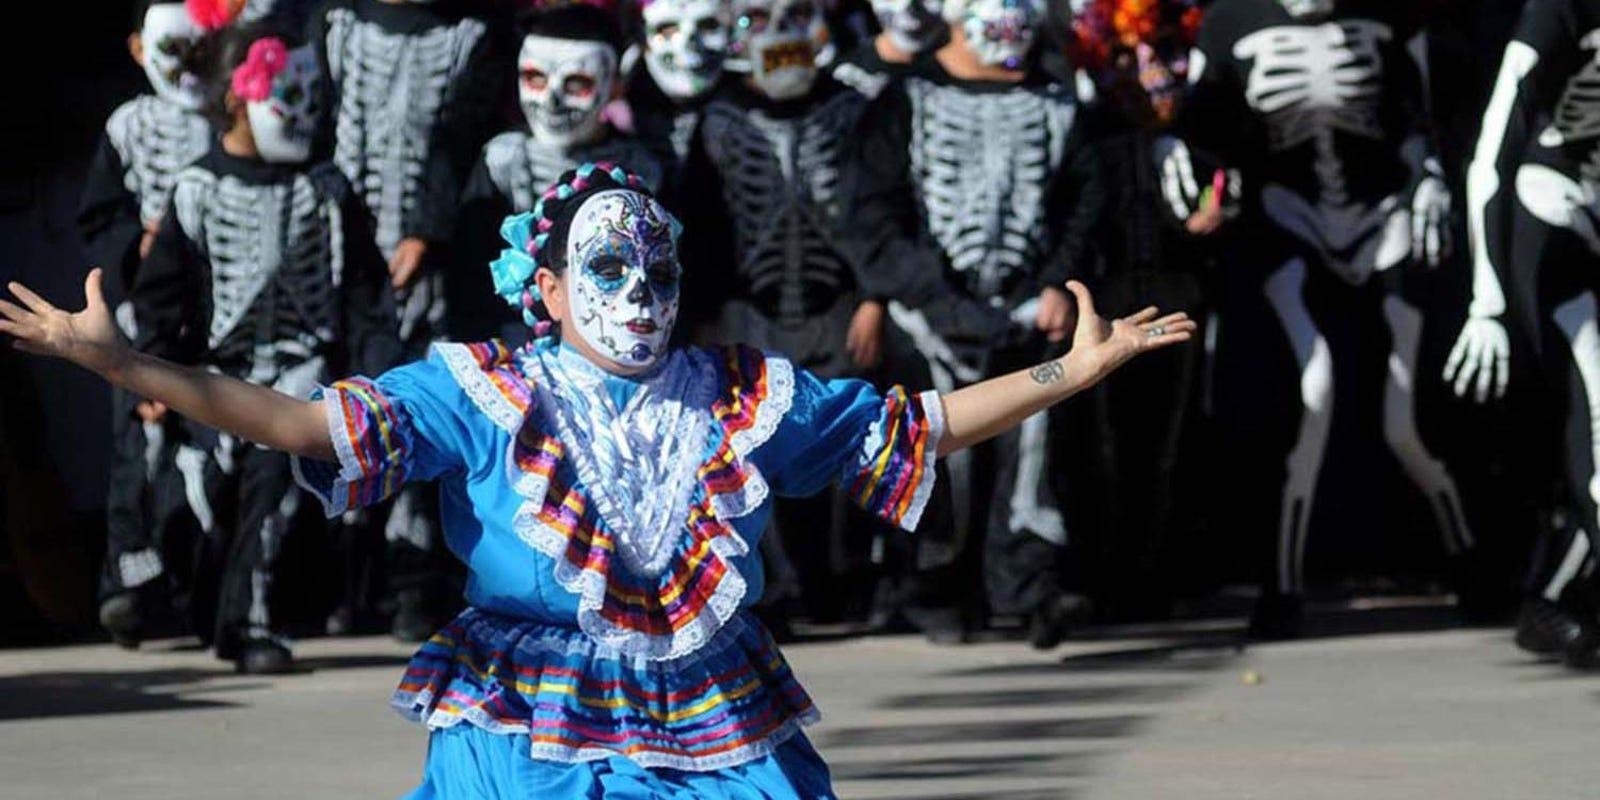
(166, 36)
(1001, 32)
(284, 121)
(685, 44)
(1307, 8)
(780, 39)
(623, 276)
(912, 25)
(563, 85)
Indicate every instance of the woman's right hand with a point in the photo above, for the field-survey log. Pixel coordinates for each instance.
(88, 338)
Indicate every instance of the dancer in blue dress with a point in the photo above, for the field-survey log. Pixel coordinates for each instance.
(606, 492)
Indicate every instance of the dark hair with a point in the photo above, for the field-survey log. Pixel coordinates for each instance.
(576, 21)
(218, 54)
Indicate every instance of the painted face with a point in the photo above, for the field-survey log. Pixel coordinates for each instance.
(1001, 32)
(623, 276)
(685, 44)
(167, 34)
(779, 41)
(563, 84)
(1307, 8)
(912, 25)
(283, 123)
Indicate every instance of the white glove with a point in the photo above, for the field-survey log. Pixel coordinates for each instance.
(1482, 351)
(1430, 221)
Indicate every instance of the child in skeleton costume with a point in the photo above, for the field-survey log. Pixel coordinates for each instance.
(148, 140)
(909, 28)
(683, 45)
(607, 491)
(567, 73)
(263, 269)
(1532, 185)
(974, 190)
(1321, 106)
(414, 87)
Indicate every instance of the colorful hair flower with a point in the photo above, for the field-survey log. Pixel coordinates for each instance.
(513, 270)
(213, 15)
(252, 80)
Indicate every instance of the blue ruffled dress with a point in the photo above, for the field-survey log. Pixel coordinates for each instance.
(609, 526)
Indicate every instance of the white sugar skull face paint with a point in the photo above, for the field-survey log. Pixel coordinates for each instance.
(167, 33)
(563, 84)
(780, 40)
(1307, 8)
(623, 276)
(912, 25)
(686, 42)
(283, 124)
(1001, 32)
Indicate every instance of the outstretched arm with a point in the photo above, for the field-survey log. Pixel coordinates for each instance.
(89, 339)
(984, 410)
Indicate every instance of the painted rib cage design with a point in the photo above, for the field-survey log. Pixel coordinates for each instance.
(155, 140)
(981, 164)
(392, 89)
(780, 181)
(521, 168)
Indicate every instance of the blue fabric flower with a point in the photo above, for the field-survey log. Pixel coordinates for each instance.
(513, 270)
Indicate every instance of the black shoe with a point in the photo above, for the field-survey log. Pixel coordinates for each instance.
(119, 615)
(1051, 622)
(1546, 629)
(1583, 650)
(1277, 617)
(263, 657)
(412, 622)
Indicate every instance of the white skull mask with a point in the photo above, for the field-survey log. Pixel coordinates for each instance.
(1001, 32)
(563, 85)
(912, 25)
(623, 276)
(1307, 8)
(686, 42)
(779, 41)
(166, 35)
(283, 124)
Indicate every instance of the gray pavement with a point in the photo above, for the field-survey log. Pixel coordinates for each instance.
(1179, 712)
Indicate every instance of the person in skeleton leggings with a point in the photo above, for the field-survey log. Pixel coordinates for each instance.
(1532, 186)
(414, 87)
(147, 141)
(1320, 104)
(909, 28)
(264, 269)
(683, 45)
(567, 73)
(974, 189)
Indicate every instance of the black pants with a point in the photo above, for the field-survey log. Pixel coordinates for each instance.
(255, 501)
(151, 533)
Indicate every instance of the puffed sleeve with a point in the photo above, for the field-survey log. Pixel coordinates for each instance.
(412, 423)
(880, 447)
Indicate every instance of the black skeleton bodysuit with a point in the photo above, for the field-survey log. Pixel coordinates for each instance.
(266, 273)
(1326, 117)
(413, 96)
(1533, 206)
(967, 200)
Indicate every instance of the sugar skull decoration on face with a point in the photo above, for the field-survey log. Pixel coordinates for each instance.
(623, 276)
(685, 44)
(563, 85)
(778, 41)
(912, 25)
(165, 37)
(1001, 32)
(278, 87)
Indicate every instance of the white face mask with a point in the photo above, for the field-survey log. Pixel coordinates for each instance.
(1001, 32)
(563, 85)
(623, 276)
(166, 33)
(912, 25)
(1307, 8)
(284, 123)
(779, 40)
(685, 44)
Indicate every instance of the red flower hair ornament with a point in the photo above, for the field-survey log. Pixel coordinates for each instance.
(252, 80)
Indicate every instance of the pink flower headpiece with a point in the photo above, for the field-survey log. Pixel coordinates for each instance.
(252, 80)
(213, 15)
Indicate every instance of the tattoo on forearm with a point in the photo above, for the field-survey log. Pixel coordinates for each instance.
(1048, 372)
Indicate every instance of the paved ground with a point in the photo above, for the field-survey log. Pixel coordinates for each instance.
(1177, 712)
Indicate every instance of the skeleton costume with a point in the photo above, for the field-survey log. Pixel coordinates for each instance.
(968, 199)
(610, 524)
(685, 44)
(147, 141)
(1532, 189)
(910, 26)
(1322, 107)
(264, 272)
